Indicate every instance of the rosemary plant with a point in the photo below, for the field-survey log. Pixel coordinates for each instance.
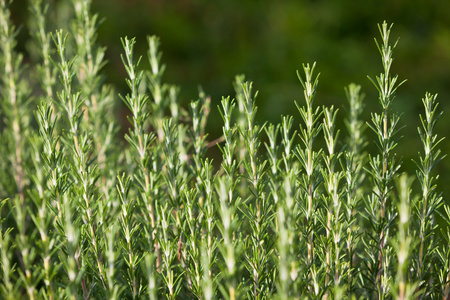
(88, 214)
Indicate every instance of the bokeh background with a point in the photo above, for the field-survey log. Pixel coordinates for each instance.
(207, 43)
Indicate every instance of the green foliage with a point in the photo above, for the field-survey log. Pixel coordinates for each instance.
(86, 213)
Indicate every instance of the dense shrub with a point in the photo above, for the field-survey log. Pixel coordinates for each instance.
(88, 214)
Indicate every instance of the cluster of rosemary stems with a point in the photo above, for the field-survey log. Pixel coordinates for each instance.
(88, 214)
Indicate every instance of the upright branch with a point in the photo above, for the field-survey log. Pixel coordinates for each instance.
(98, 96)
(13, 150)
(138, 137)
(50, 187)
(355, 158)
(229, 202)
(140, 141)
(83, 172)
(286, 213)
(310, 162)
(334, 219)
(430, 200)
(257, 206)
(14, 106)
(384, 166)
(197, 206)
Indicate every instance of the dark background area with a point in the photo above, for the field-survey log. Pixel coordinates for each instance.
(207, 43)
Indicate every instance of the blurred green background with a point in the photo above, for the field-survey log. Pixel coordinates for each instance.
(207, 43)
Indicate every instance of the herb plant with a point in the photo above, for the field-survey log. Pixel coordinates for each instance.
(88, 213)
